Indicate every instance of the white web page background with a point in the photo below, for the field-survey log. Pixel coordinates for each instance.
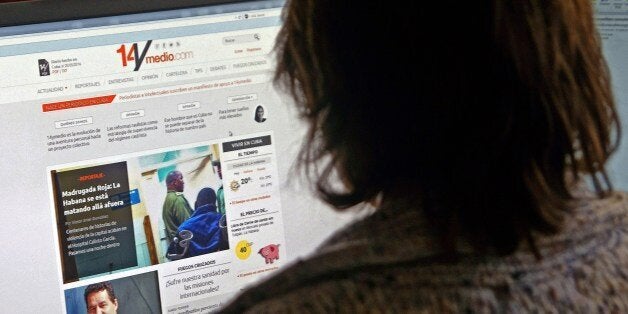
(612, 22)
(30, 262)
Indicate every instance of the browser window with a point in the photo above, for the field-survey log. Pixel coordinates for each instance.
(150, 160)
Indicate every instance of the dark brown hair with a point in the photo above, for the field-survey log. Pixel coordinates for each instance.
(97, 287)
(476, 120)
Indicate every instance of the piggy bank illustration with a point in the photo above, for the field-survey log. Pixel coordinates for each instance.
(270, 253)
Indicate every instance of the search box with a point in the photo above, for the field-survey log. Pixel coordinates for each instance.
(241, 39)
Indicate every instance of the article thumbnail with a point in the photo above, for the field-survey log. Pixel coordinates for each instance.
(95, 225)
(145, 210)
(135, 294)
(184, 189)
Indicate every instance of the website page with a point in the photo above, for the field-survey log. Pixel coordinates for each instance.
(153, 159)
(612, 23)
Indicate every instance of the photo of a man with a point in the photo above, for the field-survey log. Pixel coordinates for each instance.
(176, 208)
(100, 298)
(134, 294)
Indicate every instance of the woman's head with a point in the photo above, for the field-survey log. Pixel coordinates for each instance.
(476, 123)
(259, 113)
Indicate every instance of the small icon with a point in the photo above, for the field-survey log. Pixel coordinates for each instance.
(243, 249)
(44, 67)
(256, 36)
(234, 185)
(270, 253)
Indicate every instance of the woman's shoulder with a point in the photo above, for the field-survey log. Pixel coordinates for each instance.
(327, 280)
(591, 216)
(387, 261)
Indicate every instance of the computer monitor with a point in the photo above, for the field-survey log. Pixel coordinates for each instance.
(611, 17)
(147, 156)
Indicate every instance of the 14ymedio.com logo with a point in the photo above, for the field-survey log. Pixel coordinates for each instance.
(139, 54)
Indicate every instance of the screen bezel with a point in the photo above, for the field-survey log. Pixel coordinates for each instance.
(39, 11)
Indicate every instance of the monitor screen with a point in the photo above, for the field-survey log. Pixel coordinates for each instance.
(612, 23)
(147, 156)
